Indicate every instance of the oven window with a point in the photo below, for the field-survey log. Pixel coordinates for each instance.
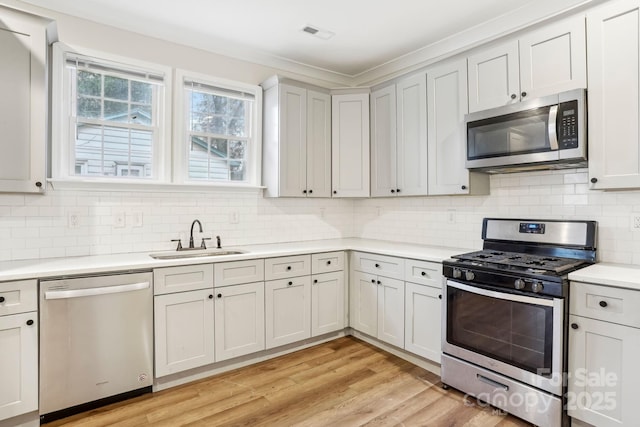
(516, 333)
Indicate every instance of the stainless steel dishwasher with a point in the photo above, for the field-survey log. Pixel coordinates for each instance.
(96, 341)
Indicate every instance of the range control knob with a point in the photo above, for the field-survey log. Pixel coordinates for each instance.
(519, 284)
(469, 275)
(537, 287)
(457, 273)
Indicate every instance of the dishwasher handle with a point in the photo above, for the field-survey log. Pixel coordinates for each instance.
(87, 292)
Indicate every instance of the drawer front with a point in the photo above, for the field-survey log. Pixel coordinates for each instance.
(382, 265)
(423, 272)
(18, 297)
(238, 272)
(183, 278)
(291, 266)
(327, 262)
(606, 303)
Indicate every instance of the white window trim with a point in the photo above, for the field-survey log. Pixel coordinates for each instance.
(61, 125)
(180, 145)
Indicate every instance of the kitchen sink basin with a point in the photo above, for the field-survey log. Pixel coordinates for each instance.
(196, 253)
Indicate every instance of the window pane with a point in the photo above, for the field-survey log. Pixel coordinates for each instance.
(141, 92)
(89, 83)
(237, 170)
(89, 108)
(116, 88)
(237, 149)
(141, 114)
(116, 111)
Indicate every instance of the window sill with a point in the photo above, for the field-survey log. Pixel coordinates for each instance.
(54, 184)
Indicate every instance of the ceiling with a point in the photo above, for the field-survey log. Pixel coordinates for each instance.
(368, 33)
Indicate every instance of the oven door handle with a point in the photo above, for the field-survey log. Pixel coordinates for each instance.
(501, 295)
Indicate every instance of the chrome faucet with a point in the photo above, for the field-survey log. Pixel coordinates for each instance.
(191, 236)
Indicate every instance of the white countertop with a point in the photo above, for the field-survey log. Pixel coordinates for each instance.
(620, 275)
(55, 267)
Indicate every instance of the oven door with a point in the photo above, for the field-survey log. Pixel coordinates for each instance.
(519, 336)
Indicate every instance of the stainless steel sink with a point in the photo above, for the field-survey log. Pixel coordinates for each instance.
(196, 253)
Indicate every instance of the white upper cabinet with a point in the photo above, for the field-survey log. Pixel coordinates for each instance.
(447, 106)
(542, 62)
(613, 31)
(23, 85)
(399, 138)
(350, 144)
(297, 141)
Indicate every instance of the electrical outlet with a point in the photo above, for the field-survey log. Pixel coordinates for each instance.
(136, 219)
(119, 220)
(73, 219)
(635, 222)
(322, 212)
(451, 216)
(234, 217)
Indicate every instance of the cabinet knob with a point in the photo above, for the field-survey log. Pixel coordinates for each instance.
(29, 322)
(373, 280)
(513, 96)
(329, 262)
(377, 265)
(397, 190)
(310, 191)
(288, 268)
(574, 326)
(603, 304)
(378, 282)
(439, 296)
(523, 94)
(304, 191)
(335, 192)
(290, 283)
(315, 280)
(393, 191)
(424, 273)
(1, 300)
(38, 184)
(594, 180)
(211, 296)
(464, 187)
(219, 295)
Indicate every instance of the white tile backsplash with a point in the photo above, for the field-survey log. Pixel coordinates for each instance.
(36, 226)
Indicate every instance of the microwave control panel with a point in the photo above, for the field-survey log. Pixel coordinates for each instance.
(568, 125)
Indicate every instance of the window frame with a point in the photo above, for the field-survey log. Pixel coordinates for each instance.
(63, 124)
(182, 142)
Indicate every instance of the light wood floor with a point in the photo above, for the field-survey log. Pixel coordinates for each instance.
(345, 382)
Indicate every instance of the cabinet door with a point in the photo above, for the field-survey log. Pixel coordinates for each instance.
(412, 135)
(288, 310)
(423, 323)
(613, 31)
(23, 84)
(327, 303)
(383, 142)
(318, 144)
(239, 320)
(603, 372)
(493, 77)
(183, 331)
(391, 311)
(553, 59)
(350, 145)
(447, 97)
(293, 141)
(363, 303)
(18, 364)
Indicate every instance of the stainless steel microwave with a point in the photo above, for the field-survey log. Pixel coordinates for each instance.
(543, 133)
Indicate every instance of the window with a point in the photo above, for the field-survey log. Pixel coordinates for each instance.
(111, 122)
(220, 133)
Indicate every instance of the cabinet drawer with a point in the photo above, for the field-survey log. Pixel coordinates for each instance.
(378, 264)
(606, 303)
(291, 266)
(238, 272)
(18, 297)
(184, 278)
(327, 262)
(423, 272)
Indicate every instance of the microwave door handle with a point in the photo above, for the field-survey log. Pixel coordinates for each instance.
(551, 127)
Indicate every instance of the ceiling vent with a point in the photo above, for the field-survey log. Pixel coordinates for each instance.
(318, 32)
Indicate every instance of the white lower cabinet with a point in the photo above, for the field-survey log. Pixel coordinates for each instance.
(183, 331)
(18, 364)
(327, 302)
(287, 310)
(377, 307)
(423, 308)
(604, 349)
(239, 320)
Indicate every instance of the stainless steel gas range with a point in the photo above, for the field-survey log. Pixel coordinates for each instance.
(505, 315)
